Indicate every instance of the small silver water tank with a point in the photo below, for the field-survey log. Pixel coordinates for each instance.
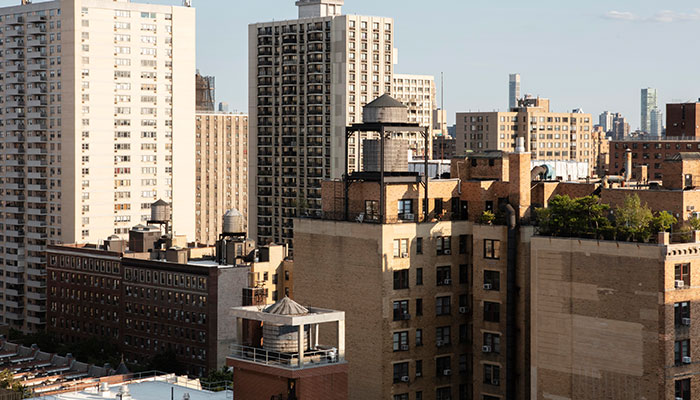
(160, 211)
(234, 222)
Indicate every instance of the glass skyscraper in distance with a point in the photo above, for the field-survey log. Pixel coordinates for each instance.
(648, 103)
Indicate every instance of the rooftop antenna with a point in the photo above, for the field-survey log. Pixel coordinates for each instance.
(442, 112)
(187, 3)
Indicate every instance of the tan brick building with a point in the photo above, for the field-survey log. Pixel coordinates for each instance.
(548, 135)
(222, 171)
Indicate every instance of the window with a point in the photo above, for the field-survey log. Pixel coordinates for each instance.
(492, 280)
(463, 333)
(492, 374)
(442, 366)
(401, 341)
(419, 368)
(406, 209)
(372, 210)
(419, 245)
(463, 245)
(462, 364)
(492, 249)
(681, 312)
(444, 245)
(401, 279)
(443, 393)
(400, 371)
(419, 337)
(463, 273)
(493, 342)
(492, 311)
(442, 305)
(442, 336)
(401, 310)
(443, 276)
(682, 273)
(683, 389)
(419, 276)
(400, 247)
(681, 350)
(402, 396)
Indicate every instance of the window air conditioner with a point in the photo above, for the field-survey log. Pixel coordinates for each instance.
(447, 372)
(463, 310)
(487, 286)
(686, 360)
(486, 349)
(495, 382)
(447, 282)
(406, 316)
(680, 284)
(447, 252)
(408, 216)
(404, 379)
(685, 321)
(404, 255)
(404, 347)
(438, 343)
(419, 374)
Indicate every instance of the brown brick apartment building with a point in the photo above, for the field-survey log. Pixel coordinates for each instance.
(152, 301)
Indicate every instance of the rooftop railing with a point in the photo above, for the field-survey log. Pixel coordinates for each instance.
(312, 358)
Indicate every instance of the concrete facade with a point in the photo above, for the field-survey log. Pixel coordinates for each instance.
(418, 93)
(222, 171)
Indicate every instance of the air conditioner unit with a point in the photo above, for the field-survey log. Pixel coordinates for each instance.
(680, 284)
(404, 347)
(418, 373)
(487, 286)
(438, 343)
(404, 255)
(690, 208)
(495, 382)
(447, 372)
(408, 216)
(679, 398)
(406, 316)
(685, 321)
(447, 282)
(486, 349)
(447, 252)
(686, 360)
(463, 310)
(404, 379)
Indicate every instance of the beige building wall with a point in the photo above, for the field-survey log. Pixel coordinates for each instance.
(222, 171)
(417, 92)
(347, 62)
(92, 86)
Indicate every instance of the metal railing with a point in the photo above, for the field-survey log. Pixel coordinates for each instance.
(319, 356)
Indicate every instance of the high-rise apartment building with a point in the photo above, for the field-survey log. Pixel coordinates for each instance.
(656, 122)
(614, 124)
(549, 135)
(417, 92)
(513, 90)
(683, 120)
(222, 171)
(440, 122)
(648, 102)
(309, 78)
(605, 120)
(98, 124)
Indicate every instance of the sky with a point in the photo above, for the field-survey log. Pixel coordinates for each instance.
(591, 54)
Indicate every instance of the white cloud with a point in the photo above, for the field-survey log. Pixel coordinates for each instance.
(620, 15)
(662, 16)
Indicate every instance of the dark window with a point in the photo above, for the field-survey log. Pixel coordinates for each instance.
(442, 336)
(462, 364)
(406, 209)
(442, 305)
(443, 393)
(493, 342)
(419, 368)
(401, 310)
(419, 337)
(402, 396)
(489, 205)
(400, 370)
(492, 280)
(419, 307)
(463, 273)
(444, 245)
(419, 276)
(488, 397)
(682, 273)
(492, 374)
(681, 312)
(372, 210)
(401, 341)
(419, 245)
(419, 395)
(463, 210)
(463, 333)
(444, 276)
(683, 389)
(473, 162)
(681, 350)
(439, 206)
(286, 275)
(492, 249)
(401, 279)
(442, 366)
(463, 246)
(463, 301)
(492, 311)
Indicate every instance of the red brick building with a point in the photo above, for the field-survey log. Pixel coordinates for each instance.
(683, 120)
(651, 152)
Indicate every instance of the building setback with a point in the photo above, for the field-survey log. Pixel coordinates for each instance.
(99, 99)
(309, 78)
(222, 171)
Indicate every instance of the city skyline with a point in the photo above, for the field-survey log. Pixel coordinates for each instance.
(609, 74)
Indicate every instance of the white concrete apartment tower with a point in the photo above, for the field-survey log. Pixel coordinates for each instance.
(308, 79)
(513, 90)
(98, 120)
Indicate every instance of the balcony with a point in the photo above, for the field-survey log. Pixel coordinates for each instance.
(14, 316)
(34, 295)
